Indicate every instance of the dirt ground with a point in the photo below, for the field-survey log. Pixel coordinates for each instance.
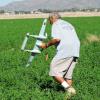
(43, 15)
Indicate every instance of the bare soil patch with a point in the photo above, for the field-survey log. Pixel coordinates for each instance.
(45, 15)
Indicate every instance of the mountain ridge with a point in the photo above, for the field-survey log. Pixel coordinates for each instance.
(51, 4)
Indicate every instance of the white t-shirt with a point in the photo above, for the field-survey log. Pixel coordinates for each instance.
(69, 45)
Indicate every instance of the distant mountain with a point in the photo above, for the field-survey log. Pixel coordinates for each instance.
(51, 4)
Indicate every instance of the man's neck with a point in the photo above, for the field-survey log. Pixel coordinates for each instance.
(55, 21)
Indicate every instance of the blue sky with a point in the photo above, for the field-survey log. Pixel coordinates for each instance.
(4, 2)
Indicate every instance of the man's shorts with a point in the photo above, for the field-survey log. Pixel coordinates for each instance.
(62, 67)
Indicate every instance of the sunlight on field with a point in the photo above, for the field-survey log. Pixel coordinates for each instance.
(93, 38)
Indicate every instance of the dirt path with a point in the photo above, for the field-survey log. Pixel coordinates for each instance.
(42, 15)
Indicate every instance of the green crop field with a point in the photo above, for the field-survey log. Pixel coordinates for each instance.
(33, 83)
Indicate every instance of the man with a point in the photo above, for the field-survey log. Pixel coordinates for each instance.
(65, 39)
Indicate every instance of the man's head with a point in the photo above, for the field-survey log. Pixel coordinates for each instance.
(53, 17)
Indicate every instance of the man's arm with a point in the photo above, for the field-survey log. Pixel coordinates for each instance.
(50, 43)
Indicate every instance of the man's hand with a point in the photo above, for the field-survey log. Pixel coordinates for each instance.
(50, 43)
(43, 46)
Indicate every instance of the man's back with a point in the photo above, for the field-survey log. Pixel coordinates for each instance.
(69, 43)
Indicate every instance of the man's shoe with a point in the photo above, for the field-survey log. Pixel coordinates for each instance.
(71, 90)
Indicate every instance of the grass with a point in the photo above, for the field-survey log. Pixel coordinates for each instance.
(33, 83)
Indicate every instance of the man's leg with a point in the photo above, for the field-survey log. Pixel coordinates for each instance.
(69, 81)
(70, 71)
(66, 83)
(68, 76)
(57, 68)
(59, 79)
(62, 81)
